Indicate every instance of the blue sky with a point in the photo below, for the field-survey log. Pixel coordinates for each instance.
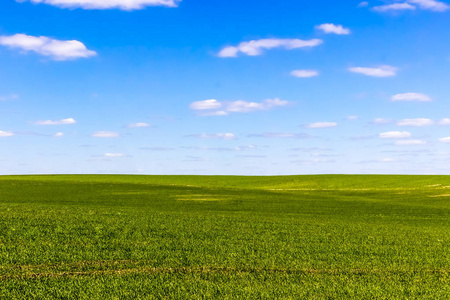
(224, 87)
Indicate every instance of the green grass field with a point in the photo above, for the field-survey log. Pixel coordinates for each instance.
(224, 237)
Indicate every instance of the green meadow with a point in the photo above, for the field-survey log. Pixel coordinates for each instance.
(224, 237)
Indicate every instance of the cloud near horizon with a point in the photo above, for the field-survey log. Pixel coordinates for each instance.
(105, 134)
(106, 4)
(322, 125)
(256, 47)
(220, 136)
(304, 73)
(395, 135)
(55, 49)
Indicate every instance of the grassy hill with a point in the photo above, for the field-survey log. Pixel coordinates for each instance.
(204, 237)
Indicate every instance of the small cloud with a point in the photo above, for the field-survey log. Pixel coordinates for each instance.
(381, 121)
(205, 104)
(138, 125)
(221, 136)
(411, 97)
(304, 73)
(283, 135)
(395, 135)
(363, 4)
(56, 49)
(431, 5)
(6, 133)
(256, 47)
(382, 71)
(322, 125)
(419, 122)
(108, 4)
(394, 7)
(105, 134)
(157, 148)
(239, 106)
(58, 134)
(410, 143)
(112, 155)
(445, 121)
(444, 140)
(352, 118)
(68, 121)
(332, 28)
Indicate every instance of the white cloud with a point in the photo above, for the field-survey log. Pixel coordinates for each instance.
(58, 122)
(411, 97)
(332, 28)
(363, 4)
(381, 121)
(415, 122)
(352, 118)
(6, 133)
(56, 49)
(304, 73)
(138, 125)
(105, 134)
(322, 125)
(205, 104)
(235, 106)
(256, 47)
(382, 71)
(283, 135)
(444, 140)
(108, 4)
(410, 142)
(58, 134)
(395, 135)
(431, 5)
(221, 136)
(394, 7)
(445, 121)
(111, 155)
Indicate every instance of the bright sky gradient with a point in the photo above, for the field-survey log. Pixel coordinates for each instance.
(224, 87)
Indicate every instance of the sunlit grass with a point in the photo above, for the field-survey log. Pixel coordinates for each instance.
(319, 237)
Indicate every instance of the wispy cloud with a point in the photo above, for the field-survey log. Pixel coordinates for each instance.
(332, 28)
(55, 49)
(363, 4)
(433, 5)
(394, 7)
(58, 134)
(282, 135)
(445, 121)
(381, 121)
(419, 122)
(108, 4)
(410, 143)
(444, 140)
(68, 121)
(6, 133)
(212, 107)
(114, 155)
(220, 136)
(395, 135)
(138, 125)
(411, 97)
(256, 47)
(322, 125)
(304, 73)
(105, 134)
(382, 71)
